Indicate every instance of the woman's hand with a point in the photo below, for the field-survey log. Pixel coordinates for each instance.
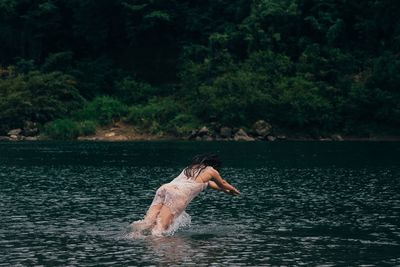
(233, 192)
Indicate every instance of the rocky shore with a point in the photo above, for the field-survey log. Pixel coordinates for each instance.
(29, 132)
(260, 131)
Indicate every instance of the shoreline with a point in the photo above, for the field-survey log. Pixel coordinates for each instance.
(155, 138)
(122, 132)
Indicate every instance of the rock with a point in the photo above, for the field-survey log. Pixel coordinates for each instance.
(202, 134)
(271, 138)
(192, 135)
(4, 138)
(14, 137)
(110, 134)
(281, 137)
(215, 125)
(241, 135)
(219, 138)
(337, 137)
(203, 131)
(30, 132)
(30, 129)
(87, 138)
(324, 139)
(207, 138)
(262, 128)
(225, 132)
(42, 137)
(120, 138)
(241, 132)
(14, 132)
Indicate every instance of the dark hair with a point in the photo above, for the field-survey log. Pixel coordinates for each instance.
(200, 162)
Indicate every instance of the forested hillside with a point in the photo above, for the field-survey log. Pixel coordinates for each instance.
(308, 67)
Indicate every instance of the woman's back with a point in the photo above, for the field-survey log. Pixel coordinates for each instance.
(188, 185)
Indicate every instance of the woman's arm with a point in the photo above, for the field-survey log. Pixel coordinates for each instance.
(222, 184)
(214, 186)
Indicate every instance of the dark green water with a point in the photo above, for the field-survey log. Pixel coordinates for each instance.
(302, 203)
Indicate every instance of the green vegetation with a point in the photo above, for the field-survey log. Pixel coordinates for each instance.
(102, 109)
(62, 129)
(305, 66)
(36, 96)
(67, 129)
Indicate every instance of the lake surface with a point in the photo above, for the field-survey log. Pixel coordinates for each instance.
(302, 203)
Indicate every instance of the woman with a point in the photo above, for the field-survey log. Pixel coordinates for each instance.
(172, 198)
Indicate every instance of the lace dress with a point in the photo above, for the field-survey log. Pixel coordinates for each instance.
(178, 193)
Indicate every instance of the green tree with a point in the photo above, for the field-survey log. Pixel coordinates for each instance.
(37, 97)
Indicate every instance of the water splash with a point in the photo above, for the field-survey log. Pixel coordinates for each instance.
(139, 229)
(182, 221)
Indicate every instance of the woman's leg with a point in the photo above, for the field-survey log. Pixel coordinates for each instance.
(149, 219)
(152, 213)
(164, 220)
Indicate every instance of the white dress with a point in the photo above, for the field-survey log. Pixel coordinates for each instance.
(178, 193)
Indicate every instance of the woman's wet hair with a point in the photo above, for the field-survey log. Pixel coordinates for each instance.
(200, 162)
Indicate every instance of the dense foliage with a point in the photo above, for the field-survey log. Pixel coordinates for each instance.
(306, 66)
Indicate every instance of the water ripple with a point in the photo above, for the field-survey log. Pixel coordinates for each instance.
(76, 214)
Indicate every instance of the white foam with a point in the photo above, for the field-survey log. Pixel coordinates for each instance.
(183, 220)
(138, 228)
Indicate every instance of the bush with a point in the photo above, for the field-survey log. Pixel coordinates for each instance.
(133, 92)
(159, 111)
(54, 95)
(87, 127)
(62, 129)
(36, 97)
(238, 95)
(67, 129)
(61, 61)
(182, 124)
(271, 64)
(103, 110)
(15, 104)
(234, 99)
(95, 77)
(300, 104)
(24, 65)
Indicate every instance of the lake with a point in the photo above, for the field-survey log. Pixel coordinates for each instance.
(302, 203)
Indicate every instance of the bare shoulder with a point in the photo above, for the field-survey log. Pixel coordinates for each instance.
(213, 172)
(207, 174)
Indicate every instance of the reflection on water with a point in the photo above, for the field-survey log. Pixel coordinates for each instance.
(73, 205)
(173, 250)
